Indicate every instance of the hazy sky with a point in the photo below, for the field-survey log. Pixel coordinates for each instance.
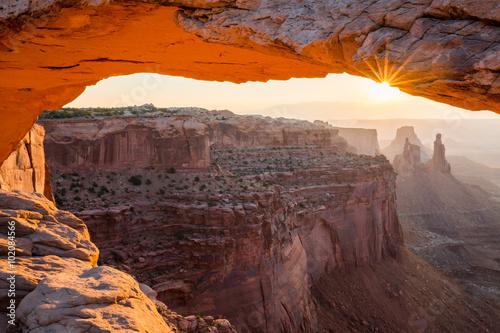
(259, 97)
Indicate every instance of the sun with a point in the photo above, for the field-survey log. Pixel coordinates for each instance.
(383, 91)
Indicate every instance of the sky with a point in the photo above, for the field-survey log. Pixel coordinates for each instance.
(340, 96)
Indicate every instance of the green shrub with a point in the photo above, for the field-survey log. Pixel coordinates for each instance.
(77, 198)
(170, 170)
(212, 204)
(148, 181)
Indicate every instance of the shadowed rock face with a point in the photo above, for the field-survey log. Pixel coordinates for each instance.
(119, 143)
(446, 51)
(25, 168)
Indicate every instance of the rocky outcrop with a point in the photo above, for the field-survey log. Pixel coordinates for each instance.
(408, 160)
(127, 142)
(404, 134)
(117, 304)
(244, 40)
(25, 168)
(57, 286)
(363, 140)
(438, 161)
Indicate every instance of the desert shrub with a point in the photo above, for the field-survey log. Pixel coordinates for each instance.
(148, 181)
(77, 198)
(170, 170)
(58, 200)
(135, 180)
(212, 204)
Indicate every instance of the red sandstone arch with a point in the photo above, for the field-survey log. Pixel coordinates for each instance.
(442, 51)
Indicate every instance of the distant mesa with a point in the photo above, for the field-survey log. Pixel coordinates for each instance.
(397, 145)
(410, 161)
(85, 140)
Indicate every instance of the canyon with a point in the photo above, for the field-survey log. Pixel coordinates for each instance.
(257, 235)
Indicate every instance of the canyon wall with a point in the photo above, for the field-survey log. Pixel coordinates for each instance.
(228, 129)
(25, 169)
(252, 256)
(365, 141)
(126, 142)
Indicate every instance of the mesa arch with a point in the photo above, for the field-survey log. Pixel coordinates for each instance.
(51, 50)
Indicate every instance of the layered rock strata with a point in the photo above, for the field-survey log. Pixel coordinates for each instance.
(180, 141)
(230, 130)
(117, 143)
(25, 168)
(251, 250)
(441, 50)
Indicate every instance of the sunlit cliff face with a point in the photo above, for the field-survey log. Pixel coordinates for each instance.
(50, 57)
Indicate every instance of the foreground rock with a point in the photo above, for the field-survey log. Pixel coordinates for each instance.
(96, 299)
(58, 287)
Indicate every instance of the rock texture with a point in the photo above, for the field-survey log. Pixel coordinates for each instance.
(442, 50)
(178, 142)
(25, 168)
(117, 304)
(58, 287)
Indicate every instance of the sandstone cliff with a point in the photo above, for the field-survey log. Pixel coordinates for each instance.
(251, 254)
(228, 129)
(25, 168)
(126, 142)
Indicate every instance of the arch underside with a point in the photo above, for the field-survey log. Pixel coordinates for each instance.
(441, 51)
